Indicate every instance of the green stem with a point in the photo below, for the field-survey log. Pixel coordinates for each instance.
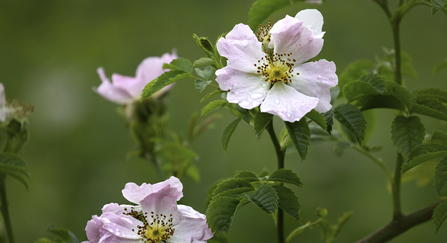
(280, 154)
(4, 209)
(396, 37)
(397, 209)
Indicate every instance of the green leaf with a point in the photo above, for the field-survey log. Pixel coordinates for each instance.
(206, 73)
(402, 94)
(407, 133)
(64, 234)
(440, 66)
(352, 119)
(162, 81)
(210, 192)
(432, 103)
(201, 84)
(204, 61)
(427, 111)
(12, 165)
(356, 89)
(318, 118)
(180, 64)
(370, 118)
(261, 121)
(439, 215)
(192, 125)
(298, 231)
(439, 137)
(217, 91)
(327, 230)
(339, 148)
(43, 240)
(380, 101)
(261, 9)
(437, 5)
(288, 202)
(220, 213)
(233, 187)
(226, 135)
(286, 176)
(441, 177)
(247, 176)
(377, 82)
(299, 133)
(193, 173)
(265, 198)
(353, 72)
(431, 93)
(342, 221)
(329, 117)
(423, 153)
(213, 105)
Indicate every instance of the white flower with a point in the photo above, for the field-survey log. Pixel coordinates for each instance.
(280, 82)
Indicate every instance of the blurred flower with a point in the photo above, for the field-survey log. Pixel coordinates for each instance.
(124, 89)
(13, 110)
(314, 1)
(277, 78)
(156, 217)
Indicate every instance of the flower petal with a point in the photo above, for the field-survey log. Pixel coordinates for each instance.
(2, 95)
(242, 48)
(110, 92)
(135, 193)
(92, 229)
(129, 84)
(161, 202)
(287, 103)
(315, 79)
(246, 89)
(289, 35)
(313, 20)
(192, 227)
(120, 226)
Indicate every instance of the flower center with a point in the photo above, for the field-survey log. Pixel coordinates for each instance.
(155, 228)
(276, 68)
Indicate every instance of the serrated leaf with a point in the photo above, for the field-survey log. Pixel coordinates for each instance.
(439, 137)
(213, 105)
(401, 93)
(427, 111)
(341, 222)
(437, 5)
(318, 118)
(265, 198)
(380, 101)
(441, 177)
(64, 234)
(226, 135)
(329, 117)
(335, 91)
(12, 165)
(356, 89)
(353, 72)
(423, 153)
(327, 230)
(261, 121)
(203, 61)
(439, 215)
(233, 186)
(206, 73)
(220, 213)
(217, 91)
(440, 66)
(407, 133)
(288, 202)
(162, 81)
(201, 84)
(16, 175)
(352, 119)
(432, 103)
(210, 192)
(180, 64)
(247, 176)
(299, 133)
(376, 81)
(286, 176)
(431, 93)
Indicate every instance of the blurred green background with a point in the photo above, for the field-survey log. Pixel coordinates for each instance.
(49, 52)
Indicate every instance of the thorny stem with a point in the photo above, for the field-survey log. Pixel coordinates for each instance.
(4, 209)
(280, 154)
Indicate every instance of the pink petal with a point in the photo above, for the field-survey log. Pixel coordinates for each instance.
(135, 193)
(111, 92)
(315, 79)
(120, 226)
(287, 103)
(313, 20)
(192, 227)
(242, 49)
(129, 84)
(2, 95)
(246, 89)
(290, 36)
(161, 202)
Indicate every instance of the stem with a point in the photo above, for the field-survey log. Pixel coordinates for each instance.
(396, 37)
(4, 209)
(397, 211)
(398, 226)
(280, 154)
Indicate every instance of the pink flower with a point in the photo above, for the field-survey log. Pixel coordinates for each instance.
(124, 89)
(280, 82)
(156, 217)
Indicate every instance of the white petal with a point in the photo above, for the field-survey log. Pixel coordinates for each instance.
(315, 79)
(135, 193)
(120, 226)
(2, 95)
(246, 89)
(242, 48)
(110, 92)
(313, 20)
(192, 227)
(287, 103)
(161, 202)
(290, 36)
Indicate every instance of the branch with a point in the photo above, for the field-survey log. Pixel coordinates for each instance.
(400, 225)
